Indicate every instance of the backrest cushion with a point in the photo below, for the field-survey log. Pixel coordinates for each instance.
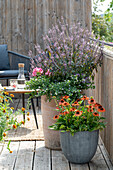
(4, 59)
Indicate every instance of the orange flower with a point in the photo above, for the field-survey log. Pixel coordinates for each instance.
(75, 104)
(91, 101)
(95, 114)
(6, 93)
(23, 122)
(1, 97)
(14, 126)
(78, 113)
(55, 117)
(85, 98)
(72, 109)
(4, 88)
(7, 117)
(6, 100)
(66, 112)
(4, 110)
(12, 95)
(97, 104)
(28, 113)
(23, 109)
(4, 134)
(65, 104)
(28, 118)
(65, 97)
(90, 110)
(11, 152)
(12, 108)
(101, 109)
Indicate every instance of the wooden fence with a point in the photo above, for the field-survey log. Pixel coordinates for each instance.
(23, 22)
(103, 94)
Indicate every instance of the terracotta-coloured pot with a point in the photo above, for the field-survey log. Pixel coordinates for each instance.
(52, 137)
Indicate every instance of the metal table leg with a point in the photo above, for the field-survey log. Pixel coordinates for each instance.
(34, 112)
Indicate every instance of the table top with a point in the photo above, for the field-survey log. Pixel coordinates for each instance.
(15, 90)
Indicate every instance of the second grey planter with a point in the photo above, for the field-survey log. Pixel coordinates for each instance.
(81, 147)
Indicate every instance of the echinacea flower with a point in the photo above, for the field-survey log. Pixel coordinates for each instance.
(91, 101)
(65, 97)
(72, 109)
(85, 98)
(56, 117)
(65, 104)
(101, 109)
(78, 113)
(95, 114)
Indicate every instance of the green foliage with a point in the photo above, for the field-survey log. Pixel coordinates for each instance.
(73, 86)
(102, 25)
(8, 118)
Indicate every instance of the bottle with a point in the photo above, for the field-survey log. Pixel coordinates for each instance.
(21, 77)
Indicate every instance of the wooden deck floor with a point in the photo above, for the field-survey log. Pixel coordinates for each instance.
(32, 155)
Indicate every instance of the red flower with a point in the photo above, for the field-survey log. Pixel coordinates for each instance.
(101, 109)
(78, 113)
(65, 97)
(65, 104)
(91, 101)
(85, 98)
(72, 109)
(55, 117)
(65, 113)
(95, 114)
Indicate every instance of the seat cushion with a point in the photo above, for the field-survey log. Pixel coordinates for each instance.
(11, 73)
(4, 59)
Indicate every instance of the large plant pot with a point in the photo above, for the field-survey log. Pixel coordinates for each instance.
(51, 137)
(81, 147)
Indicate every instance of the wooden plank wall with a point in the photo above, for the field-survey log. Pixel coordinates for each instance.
(103, 94)
(23, 22)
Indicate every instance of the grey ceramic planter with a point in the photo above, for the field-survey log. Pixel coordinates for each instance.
(81, 147)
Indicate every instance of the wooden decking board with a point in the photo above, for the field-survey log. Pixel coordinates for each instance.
(42, 160)
(25, 155)
(59, 162)
(98, 162)
(7, 160)
(105, 154)
(32, 155)
(79, 167)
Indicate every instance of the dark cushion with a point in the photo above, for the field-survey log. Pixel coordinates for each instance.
(4, 59)
(11, 73)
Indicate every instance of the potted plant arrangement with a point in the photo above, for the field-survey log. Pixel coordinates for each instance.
(79, 123)
(8, 117)
(65, 67)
